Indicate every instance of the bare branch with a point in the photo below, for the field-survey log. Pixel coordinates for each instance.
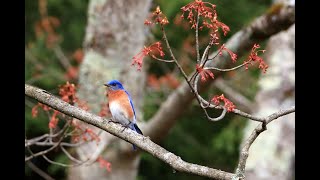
(37, 139)
(197, 38)
(259, 129)
(163, 60)
(64, 61)
(226, 70)
(39, 171)
(142, 142)
(43, 152)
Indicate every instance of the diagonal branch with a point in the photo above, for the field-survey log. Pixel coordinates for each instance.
(141, 141)
(128, 135)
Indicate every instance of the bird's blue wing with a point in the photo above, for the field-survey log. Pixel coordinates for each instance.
(131, 104)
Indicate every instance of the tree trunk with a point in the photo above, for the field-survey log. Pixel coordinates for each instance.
(271, 156)
(114, 34)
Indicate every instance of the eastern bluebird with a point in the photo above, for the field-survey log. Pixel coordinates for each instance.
(121, 106)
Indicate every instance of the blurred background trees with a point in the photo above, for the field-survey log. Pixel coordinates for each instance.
(54, 49)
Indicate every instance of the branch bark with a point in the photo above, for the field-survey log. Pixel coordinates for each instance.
(128, 135)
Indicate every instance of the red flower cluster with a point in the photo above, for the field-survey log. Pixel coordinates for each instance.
(209, 14)
(104, 163)
(54, 120)
(204, 73)
(232, 54)
(68, 94)
(227, 103)
(254, 57)
(83, 133)
(157, 17)
(151, 50)
(34, 110)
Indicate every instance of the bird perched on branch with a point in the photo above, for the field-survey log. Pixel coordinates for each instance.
(121, 106)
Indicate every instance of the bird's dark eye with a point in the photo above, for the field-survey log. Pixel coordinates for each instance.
(113, 84)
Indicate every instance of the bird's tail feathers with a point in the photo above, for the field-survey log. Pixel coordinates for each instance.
(137, 129)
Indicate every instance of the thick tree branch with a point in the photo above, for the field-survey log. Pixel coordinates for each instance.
(128, 135)
(259, 30)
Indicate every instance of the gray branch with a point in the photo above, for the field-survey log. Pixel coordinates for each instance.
(256, 132)
(128, 135)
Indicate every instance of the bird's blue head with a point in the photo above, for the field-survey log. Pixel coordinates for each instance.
(114, 85)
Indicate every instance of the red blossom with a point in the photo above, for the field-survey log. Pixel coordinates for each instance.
(152, 50)
(204, 73)
(156, 17)
(209, 14)
(254, 57)
(104, 164)
(72, 73)
(78, 55)
(232, 54)
(83, 133)
(34, 111)
(54, 120)
(67, 92)
(227, 103)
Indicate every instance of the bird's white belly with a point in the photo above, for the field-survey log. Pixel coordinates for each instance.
(118, 113)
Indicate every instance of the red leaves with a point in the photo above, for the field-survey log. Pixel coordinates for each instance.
(68, 94)
(157, 17)
(206, 11)
(254, 57)
(227, 103)
(72, 73)
(54, 120)
(34, 110)
(151, 50)
(204, 73)
(78, 55)
(83, 133)
(232, 54)
(104, 164)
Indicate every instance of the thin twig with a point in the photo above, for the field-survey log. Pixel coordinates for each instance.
(37, 139)
(39, 171)
(181, 70)
(69, 155)
(226, 70)
(197, 39)
(207, 104)
(163, 60)
(64, 61)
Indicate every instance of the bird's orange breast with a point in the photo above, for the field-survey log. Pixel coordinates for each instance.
(122, 99)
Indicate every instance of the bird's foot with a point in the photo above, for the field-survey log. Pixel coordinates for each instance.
(125, 127)
(112, 120)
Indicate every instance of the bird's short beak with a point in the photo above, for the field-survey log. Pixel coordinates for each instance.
(107, 85)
